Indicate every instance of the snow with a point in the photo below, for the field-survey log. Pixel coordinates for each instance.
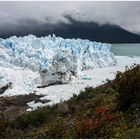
(23, 80)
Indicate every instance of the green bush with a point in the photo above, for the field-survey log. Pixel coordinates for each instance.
(127, 85)
(3, 125)
(130, 134)
(35, 118)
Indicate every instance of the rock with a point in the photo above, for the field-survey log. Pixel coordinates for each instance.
(4, 88)
(14, 106)
(63, 108)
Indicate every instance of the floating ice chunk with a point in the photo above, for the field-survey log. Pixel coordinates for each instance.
(85, 77)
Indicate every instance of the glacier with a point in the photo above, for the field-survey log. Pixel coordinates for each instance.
(50, 60)
(37, 53)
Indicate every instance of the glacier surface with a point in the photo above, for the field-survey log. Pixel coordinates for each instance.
(37, 53)
(59, 58)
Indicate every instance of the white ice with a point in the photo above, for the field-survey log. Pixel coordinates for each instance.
(22, 59)
(98, 76)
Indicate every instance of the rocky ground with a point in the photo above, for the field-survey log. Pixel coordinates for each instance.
(14, 106)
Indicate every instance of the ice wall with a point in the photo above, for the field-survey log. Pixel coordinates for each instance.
(55, 58)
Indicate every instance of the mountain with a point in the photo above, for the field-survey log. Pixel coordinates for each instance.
(93, 31)
(110, 33)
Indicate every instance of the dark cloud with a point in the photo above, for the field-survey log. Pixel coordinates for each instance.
(41, 18)
(73, 29)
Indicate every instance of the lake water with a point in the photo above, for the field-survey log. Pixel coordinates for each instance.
(126, 49)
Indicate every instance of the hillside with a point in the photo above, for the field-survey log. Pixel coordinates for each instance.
(108, 111)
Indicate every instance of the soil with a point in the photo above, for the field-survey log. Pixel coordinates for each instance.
(14, 106)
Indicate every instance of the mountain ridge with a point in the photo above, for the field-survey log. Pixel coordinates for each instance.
(110, 33)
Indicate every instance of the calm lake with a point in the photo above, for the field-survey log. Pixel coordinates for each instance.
(126, 49)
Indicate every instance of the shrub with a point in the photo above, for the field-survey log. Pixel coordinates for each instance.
(35, 118)
(127, 85)
(100, 125)
(130, 134)
(3, 125)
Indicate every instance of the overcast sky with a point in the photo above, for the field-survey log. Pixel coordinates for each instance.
(125, 14)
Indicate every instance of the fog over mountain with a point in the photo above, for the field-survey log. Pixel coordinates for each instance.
(114, 22)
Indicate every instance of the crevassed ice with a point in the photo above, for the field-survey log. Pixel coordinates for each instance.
(38, 53)
(56, 59)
